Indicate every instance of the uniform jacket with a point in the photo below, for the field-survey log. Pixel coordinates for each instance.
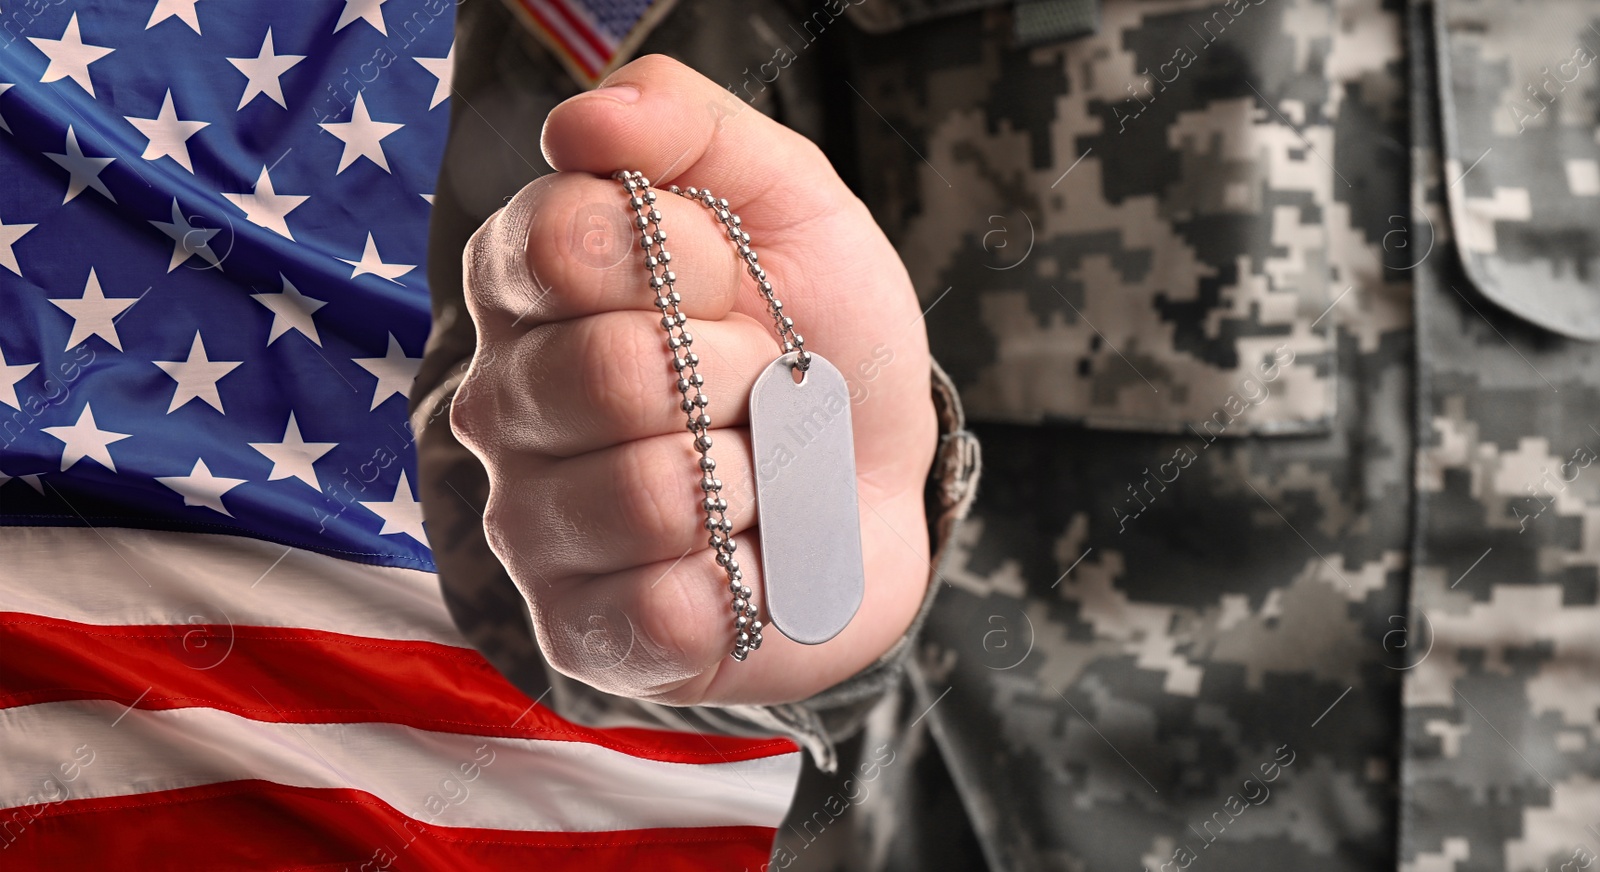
(1276, 320)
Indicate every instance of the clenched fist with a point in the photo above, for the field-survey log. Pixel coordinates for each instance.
(571, 400)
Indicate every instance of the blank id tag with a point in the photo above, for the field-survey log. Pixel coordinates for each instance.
(806, 499)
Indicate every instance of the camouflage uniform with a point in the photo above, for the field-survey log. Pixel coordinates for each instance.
(1259, 577)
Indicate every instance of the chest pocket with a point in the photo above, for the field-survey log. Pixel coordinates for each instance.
(1122, 230)
(1522, 158)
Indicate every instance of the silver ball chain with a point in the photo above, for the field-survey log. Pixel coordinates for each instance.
(658, 262)
(788, 340)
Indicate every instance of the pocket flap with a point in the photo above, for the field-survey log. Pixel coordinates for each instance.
(1520, 92)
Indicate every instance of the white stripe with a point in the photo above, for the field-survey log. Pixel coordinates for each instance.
(574, 41)
(100, 576)
(517, 784)
(581, 12)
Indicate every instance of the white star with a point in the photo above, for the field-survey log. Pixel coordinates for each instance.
(4, 87)
(168, 135)
(84, 171)
(403, 514)
(362, 137)
(183, 10)
(265, 206)
(292, 458)
(188, 240)
(95, 314)
(371, 264)
(263, 71)
(9, 234)
(365, 10)
(291, 310)
(442, 69)
(394, 370)
(10, 374)
(428, 197)
(32, 480)
(201, 488)
(196, 377)
(86, 439)
(69, 56)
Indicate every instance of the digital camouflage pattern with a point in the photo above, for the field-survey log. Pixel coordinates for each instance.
(1503, 717)
(1132, 236)
(1189, 564)
(1518, 98)
(1260, 575)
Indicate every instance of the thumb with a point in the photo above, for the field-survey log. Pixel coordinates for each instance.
(662, 118)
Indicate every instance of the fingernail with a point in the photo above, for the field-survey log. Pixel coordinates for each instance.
(620, 93)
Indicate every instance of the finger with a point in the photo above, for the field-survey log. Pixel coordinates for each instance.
(664, 631)
(838, 277)
(649, 632)
(566, 247)
(626, 506)
(578, 386)
(683, 127)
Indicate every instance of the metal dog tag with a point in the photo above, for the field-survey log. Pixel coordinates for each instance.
(806, 499)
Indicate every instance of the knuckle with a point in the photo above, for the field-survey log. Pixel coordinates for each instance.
(494, 516)
(467, 411)
(477, 410)
(529, 524)
(564, 658)
(502, 404)
(498, 520)
(490, 282)
(477, 278)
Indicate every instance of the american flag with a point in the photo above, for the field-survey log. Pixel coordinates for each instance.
(222, 644)
(591, 37)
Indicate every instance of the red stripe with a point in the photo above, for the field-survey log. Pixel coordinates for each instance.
(555, 34)
(284, 675)
(583, 29)
(258, 825)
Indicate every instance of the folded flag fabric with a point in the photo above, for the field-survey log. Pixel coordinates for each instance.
(222, 644)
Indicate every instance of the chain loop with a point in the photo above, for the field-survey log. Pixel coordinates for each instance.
(788, 340)
(658, 262)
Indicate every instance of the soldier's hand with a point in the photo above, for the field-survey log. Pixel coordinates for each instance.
(571, 400)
